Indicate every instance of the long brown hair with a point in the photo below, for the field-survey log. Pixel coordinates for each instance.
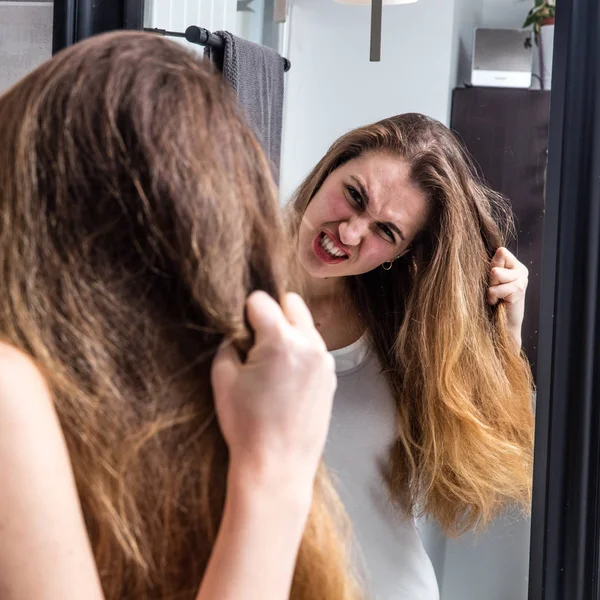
(463, 393)
(137, 215)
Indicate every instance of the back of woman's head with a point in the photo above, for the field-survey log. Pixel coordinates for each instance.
(137, 215)
(464, 447)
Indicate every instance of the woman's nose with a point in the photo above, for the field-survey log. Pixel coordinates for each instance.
(352, 231)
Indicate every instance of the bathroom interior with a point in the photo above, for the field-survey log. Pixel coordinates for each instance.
(433, 57)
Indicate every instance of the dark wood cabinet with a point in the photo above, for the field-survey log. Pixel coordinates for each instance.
(506, 132)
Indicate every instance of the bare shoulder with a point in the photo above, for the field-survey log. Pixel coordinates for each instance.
(22, 385)
(45, 551)
(13, 358)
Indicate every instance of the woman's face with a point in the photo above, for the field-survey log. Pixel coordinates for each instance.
(367, 212)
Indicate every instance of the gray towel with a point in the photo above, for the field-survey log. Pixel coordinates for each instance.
(256, 74)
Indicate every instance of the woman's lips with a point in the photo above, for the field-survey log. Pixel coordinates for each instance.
(337, 242)
(322, 254)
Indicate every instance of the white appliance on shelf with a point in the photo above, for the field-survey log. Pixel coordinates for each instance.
(502, 58)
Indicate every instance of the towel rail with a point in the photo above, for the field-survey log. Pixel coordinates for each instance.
(202, 37)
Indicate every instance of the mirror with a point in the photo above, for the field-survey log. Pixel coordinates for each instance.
(430, 61)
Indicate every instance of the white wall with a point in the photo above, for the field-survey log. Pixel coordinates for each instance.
(332, 87)
(468, 14)
(493, 566)
(25, 39)
(509, 14)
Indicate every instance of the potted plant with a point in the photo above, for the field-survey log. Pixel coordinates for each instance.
(541, 17)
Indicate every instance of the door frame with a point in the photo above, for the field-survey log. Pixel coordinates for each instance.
(75, 20)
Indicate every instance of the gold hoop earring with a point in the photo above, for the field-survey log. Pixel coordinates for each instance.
(386, 266)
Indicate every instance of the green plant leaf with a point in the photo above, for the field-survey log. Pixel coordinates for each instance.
(542, 10)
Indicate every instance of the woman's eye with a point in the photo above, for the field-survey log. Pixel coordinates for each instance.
(387, 232)
(355, 195)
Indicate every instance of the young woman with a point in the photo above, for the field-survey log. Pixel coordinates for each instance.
(401, 251)
(138, 214)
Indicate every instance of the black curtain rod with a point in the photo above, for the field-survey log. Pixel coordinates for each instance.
(202, 37)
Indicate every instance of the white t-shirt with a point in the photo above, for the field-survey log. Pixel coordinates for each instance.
(389, 553)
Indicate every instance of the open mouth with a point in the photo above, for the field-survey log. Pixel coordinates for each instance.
(328, 250)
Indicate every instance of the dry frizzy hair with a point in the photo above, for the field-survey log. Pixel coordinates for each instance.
(138, 213)
(464, 447)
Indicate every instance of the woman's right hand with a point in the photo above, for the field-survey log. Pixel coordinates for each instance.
(274, 409)
(274, 412)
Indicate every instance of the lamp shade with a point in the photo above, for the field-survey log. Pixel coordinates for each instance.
(385, 2)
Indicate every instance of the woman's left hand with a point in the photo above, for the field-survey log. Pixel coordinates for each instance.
(508, 282)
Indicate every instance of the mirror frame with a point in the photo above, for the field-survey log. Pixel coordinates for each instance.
(565, 528)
